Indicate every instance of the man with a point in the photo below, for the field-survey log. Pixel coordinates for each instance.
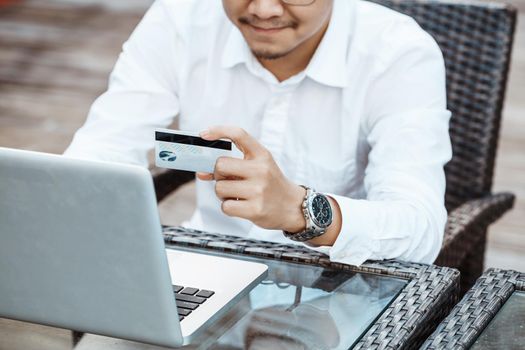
(344, 97)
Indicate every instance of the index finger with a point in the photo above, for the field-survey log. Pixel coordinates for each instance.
(246, 143)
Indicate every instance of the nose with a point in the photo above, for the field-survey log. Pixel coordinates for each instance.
(265, 9)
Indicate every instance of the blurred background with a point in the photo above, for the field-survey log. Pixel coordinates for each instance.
(55, 57)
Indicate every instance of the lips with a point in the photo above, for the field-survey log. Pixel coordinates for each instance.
(266, 30)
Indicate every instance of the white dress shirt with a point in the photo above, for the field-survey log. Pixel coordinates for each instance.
(365, 122)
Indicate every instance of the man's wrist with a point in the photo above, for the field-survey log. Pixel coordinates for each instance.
(296, 222)
(332, 231)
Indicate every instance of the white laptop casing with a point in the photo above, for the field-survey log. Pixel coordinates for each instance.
(81, 248)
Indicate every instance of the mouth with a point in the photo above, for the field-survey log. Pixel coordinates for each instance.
(266, 30)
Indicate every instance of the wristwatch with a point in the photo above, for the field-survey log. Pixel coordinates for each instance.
(317, 212)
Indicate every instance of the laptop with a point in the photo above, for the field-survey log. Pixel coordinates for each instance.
(81, 248)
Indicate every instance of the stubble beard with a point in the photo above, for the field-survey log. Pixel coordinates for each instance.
(268, 55)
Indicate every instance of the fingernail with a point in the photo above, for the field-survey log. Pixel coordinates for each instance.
(204, 133)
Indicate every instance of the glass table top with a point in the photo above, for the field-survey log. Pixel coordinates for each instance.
(303, 307)
(507, 328)
(298, 306)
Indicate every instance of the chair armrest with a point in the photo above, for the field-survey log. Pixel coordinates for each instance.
(166, 181)
(468, 222)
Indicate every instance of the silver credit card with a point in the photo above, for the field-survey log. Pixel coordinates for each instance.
(183, 150)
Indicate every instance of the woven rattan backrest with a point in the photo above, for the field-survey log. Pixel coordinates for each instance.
(476, 40)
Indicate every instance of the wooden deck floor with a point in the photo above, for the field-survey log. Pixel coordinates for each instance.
(55, 57)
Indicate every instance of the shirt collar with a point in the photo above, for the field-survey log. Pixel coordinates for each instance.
(236, 50)
(328, 65)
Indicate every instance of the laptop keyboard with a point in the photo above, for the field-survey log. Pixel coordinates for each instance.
(188, 299)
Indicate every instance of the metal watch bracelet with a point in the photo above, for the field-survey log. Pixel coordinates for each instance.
(310, 230)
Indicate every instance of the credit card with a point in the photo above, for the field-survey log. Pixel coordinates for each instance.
(183, 150)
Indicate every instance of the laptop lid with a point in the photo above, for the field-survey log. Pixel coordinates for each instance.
(81, 248)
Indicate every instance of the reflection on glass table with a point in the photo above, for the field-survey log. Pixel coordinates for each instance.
(507, 328)
(309, 307)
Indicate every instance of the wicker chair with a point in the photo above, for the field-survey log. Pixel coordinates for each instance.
(476, 40)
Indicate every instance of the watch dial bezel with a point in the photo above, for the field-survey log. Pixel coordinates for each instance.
(312, 214)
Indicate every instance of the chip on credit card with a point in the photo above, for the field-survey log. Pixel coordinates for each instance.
(183, 150)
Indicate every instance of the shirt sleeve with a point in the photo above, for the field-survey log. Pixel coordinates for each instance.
(403, 215)
(142, 95)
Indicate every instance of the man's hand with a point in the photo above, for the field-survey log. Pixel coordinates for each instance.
(254, 188)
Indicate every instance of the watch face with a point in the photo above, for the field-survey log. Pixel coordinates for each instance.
(322, 212)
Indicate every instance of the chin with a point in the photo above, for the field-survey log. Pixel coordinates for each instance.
(269, 50)
(268, 53)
